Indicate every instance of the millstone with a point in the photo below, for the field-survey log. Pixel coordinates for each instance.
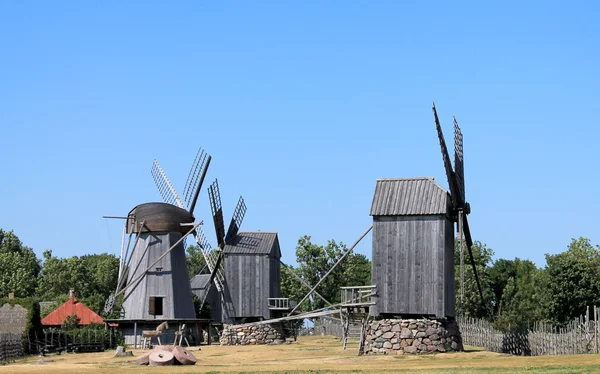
(143, 360)
(184, 356)
(166, 348)
(161, 358)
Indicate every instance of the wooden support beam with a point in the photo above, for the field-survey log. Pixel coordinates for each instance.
(333, 267)
(136, 280)
(304, 282)
(121, 280)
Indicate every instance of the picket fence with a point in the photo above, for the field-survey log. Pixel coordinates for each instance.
(579, 336)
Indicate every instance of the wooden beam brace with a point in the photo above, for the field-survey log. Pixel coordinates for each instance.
(136, 280)
(304, 282)
(333, 267)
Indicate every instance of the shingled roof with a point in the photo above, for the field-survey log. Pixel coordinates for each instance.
(254, 243)
(408, 197)
(70, 307)
(199, 281)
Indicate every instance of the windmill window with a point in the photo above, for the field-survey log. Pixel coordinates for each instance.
(159, 270)
(155, 305)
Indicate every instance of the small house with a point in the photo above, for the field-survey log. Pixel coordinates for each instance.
(71, 307)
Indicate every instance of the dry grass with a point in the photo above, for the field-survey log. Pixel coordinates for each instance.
(312, 355)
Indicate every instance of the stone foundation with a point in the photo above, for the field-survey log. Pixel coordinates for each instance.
(257, 334)
(397, 336)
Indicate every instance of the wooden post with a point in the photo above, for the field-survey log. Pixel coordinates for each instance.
(363, 328)
(595, 329)
(135, 335)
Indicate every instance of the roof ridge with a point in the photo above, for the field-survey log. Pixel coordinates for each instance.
(406, 179)
(409, 196)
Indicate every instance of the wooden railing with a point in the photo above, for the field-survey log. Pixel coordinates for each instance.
(358, 296)
(281, 303)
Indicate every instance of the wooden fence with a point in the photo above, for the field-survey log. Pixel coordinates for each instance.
(11, 346)
(333, 326)
(579, 336)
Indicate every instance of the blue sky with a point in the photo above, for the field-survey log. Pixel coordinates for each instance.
(303, 105)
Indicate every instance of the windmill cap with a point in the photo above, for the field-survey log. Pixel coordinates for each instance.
(158, 217)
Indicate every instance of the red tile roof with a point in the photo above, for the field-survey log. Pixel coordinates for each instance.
(70, 307)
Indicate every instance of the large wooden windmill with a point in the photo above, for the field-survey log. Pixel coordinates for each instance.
(153, 275)
(413, 239)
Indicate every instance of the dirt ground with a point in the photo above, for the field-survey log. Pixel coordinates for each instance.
(315, 354)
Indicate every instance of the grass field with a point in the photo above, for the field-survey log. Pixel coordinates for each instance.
(316, 354)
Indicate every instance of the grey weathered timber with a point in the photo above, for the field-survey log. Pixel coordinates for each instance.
(413, 249)
(199, 285)
(159, 217)
(168, 279)
(252, 274)
(398, 197)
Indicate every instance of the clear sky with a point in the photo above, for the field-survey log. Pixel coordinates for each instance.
(303, 105)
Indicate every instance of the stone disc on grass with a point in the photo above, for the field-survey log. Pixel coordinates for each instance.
(167, 348)
(143, 360)
(184, 356)
(161, 358)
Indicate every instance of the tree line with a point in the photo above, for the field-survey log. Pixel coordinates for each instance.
(516, 291)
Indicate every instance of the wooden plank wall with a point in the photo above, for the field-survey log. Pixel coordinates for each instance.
(172, 282)
(410, 265)
(247, 277)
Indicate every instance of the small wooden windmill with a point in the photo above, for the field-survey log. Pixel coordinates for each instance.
(413, 239)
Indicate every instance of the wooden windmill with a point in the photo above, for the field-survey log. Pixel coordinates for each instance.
(153, 277)
(413, 240)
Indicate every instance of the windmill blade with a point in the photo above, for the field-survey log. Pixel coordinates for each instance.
(236, 220)
(191, 191)
(201, 240)
(467, 233)
(217, 212)
(459, 168)
(447, 164)
(166, 189)
(210, 257)
(213, 275)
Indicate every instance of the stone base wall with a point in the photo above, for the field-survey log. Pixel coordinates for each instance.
(397, 336)
(257, 334)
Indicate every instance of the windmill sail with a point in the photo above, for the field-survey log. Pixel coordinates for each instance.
(459, 168)
(166, 189)
(455, 184)
(236, 220)
(196, 179)
(217, 212)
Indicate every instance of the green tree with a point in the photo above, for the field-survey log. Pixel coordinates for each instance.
(573, 280)
(71, 322)
(19, 266)
(472, 301)
(93, 277)
(290, 285)
(520, 293)
(195, 260)
(314, 261)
